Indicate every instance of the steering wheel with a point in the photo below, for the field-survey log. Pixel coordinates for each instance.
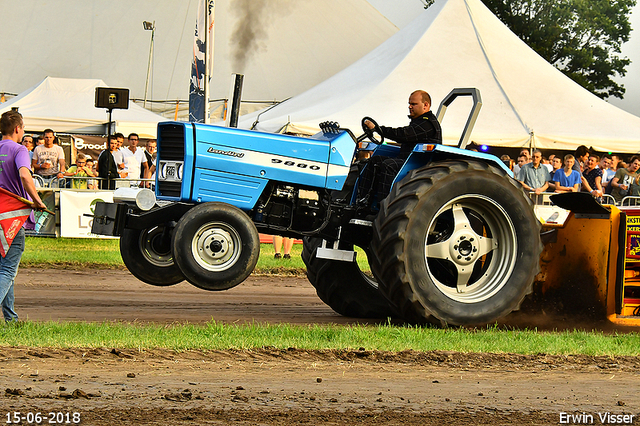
(370, 132)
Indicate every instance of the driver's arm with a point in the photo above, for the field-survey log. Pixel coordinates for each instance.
(407, 134)
(372, 126)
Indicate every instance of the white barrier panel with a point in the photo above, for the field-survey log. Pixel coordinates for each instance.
(73, 207)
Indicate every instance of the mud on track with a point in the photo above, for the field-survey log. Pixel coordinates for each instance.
(280, 387)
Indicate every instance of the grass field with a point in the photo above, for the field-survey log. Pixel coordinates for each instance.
(80, 253)
(84, 253)
(216, 336)
(99, 253)
(71, 252)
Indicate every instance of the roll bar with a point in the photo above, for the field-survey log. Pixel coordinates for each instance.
(473, 115)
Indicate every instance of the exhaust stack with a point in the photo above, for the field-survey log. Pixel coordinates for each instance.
(235, 97)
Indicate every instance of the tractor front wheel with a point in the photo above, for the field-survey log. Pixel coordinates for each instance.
(147, 254)
(216, 246)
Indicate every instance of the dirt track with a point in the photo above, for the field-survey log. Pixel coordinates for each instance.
(115, 295)
(272, 387)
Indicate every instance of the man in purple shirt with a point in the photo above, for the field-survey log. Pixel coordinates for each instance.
(15, 177)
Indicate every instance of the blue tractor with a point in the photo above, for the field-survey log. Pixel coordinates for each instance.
(456, 240)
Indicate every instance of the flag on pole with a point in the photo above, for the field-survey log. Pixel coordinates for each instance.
(201, 50)
(13, 214)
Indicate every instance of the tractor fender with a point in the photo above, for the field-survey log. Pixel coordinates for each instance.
(424, 154)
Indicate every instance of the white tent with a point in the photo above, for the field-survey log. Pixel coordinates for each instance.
(286, 47)
(296, 44)
(460, 43)
(68, 105)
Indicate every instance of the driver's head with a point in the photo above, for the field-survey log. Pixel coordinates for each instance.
(419, 103)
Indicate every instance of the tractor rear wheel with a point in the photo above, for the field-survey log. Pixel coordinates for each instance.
(456, 242)
(216, 246)
(343, 286)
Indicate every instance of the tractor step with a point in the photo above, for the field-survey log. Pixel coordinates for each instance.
(335, 253)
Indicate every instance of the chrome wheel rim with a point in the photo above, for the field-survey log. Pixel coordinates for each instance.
(216, 246)
(154, 249)
(470, 248)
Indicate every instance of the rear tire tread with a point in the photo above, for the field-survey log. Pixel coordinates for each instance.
(342, 286)
(390, 228)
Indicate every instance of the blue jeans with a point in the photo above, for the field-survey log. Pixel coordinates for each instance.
(8, 271)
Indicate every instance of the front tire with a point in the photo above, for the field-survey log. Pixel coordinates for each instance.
(147, 255)
(456, 242)
(216, 246)
(343, 286)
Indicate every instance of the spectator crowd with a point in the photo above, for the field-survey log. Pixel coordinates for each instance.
(121, 164)
(118, 165)
(582, 171)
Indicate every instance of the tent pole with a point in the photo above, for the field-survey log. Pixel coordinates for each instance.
(531, 144)
(109, 155)
(146, 85)
(207, 61)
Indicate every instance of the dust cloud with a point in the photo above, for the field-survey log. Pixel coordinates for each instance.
(251, 32)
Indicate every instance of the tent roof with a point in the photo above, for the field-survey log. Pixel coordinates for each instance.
(67, 105)
(295, 44)
(298, 44)
(460, 43)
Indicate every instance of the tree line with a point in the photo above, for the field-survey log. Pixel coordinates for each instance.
(581, 38)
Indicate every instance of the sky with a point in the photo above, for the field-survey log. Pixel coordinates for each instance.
(401, 12)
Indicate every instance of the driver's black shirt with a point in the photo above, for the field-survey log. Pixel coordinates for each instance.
(422, 129)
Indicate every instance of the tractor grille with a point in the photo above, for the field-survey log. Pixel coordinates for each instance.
(170, 147)
(172, 143)
(169, 189)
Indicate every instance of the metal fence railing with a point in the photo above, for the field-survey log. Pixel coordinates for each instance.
(541, 199)
(608, 200)
(91, 182)
(545, 200)
(630, 201)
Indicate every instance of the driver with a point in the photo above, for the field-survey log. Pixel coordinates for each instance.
(377, 177)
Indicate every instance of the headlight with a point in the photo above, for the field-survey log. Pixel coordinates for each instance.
(171, 171)
(144, 198)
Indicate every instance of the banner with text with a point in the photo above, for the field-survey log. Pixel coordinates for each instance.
(74, 205)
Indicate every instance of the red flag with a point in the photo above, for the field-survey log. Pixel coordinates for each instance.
(13, 214)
